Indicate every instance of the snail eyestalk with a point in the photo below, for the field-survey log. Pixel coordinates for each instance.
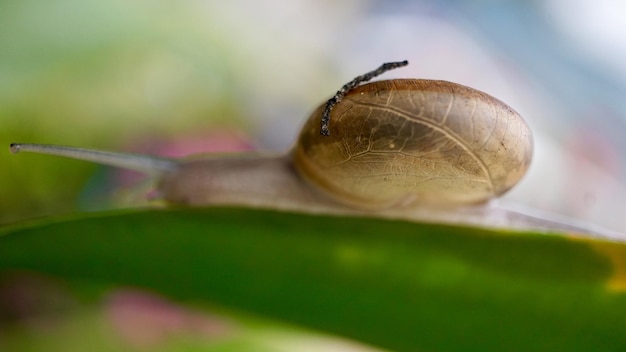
(142, 163)
(351, 85)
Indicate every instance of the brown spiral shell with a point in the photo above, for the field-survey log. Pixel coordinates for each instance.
(413, 141)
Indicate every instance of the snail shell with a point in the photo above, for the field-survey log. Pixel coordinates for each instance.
(410, 141)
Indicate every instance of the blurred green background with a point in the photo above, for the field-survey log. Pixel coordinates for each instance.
(176, 78)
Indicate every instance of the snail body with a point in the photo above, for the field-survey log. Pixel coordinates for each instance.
(394, 144)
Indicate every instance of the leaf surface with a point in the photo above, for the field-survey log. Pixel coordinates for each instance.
(398, 285)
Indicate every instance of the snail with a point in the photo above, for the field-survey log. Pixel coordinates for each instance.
(390, 144)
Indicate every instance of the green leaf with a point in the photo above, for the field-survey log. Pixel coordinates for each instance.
(394, 284)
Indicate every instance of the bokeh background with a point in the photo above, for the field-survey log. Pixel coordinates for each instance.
(174, 78)
(180, 77)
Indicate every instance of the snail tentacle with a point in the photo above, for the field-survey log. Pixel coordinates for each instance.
(330, 104)
(142, 163)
